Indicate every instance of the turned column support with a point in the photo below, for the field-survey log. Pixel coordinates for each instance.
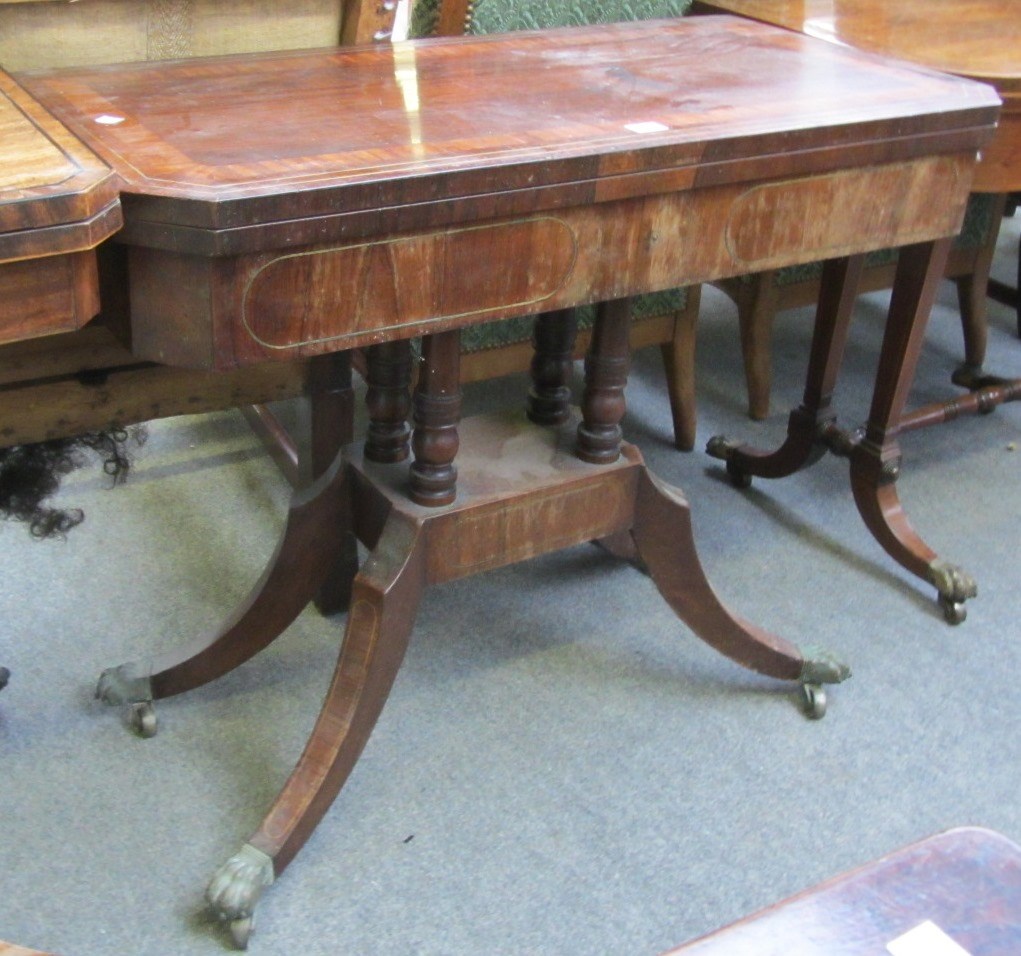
(606, 371)
(437, 411)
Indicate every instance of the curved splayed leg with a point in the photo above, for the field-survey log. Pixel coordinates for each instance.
(663, 534)
(384, 601)
(309, 549)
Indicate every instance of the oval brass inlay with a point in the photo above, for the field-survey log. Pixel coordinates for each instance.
(358, 291)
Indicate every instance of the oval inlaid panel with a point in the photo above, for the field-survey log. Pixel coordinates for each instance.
(870, 208)
(351, 292)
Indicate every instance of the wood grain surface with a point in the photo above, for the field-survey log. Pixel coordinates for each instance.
(979, 39)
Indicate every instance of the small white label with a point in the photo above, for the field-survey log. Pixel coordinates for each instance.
(649, 127)
(107, 120)
(926, 939)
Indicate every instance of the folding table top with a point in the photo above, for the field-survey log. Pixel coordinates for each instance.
(231, 146)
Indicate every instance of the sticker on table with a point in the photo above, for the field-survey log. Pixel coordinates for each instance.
(926, 939)
(649, 127)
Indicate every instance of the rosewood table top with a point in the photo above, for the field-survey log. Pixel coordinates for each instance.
(58, 201)
(479, 151)
(980, 39)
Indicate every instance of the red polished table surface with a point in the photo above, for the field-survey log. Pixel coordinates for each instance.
(553, 140)
(980, 39)
(965, 883)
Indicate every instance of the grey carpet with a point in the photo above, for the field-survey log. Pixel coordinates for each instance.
(562, 768)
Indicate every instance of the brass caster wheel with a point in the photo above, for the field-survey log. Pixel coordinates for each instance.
(241, 930)
(738, 477)
(954, 612)
(813, 700)
(143, 719)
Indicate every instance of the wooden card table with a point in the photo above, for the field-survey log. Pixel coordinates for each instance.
(310, 203)
(977, 39)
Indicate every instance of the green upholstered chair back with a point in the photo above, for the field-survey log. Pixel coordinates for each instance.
(499, 16)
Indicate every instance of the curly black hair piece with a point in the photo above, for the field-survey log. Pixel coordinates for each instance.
(31, 474)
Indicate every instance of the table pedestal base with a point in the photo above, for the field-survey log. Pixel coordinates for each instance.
(521, 492)
(873, 450)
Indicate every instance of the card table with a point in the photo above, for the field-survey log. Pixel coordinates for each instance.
(977, 39)
(311, 203)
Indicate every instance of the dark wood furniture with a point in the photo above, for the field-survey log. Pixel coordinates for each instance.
(320, 202)
(961, 887)
(978, 39)
(63, 379)
(667, 319)
(58, 201)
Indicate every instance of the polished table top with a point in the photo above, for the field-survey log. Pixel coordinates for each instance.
(980, 39)
(542, 138)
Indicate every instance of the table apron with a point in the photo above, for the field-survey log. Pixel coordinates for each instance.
(284, 304)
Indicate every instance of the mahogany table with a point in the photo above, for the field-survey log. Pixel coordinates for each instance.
(303, 204)
(978, 39)
(58, 201)
(953, 893)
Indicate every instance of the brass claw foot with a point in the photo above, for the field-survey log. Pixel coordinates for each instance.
(955, 586)
(235, 889)
(819, 667)
(124, 685)
(719, 446)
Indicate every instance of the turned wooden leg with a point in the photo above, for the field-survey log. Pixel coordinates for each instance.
(606, 370)
(388, 398)
(549, 398)
(384, 601)
(317, 524)
(663, 535)
(437, 405)
(875, 461)
(809, 425)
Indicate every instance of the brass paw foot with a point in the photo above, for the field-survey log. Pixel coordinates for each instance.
(123, 685)
(819, 667)
(955, 586)
(235, 889)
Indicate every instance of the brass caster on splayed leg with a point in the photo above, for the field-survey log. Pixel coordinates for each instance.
(813, 700)
(819, 667)
(955, 586)
(235, 889)
(120, 686)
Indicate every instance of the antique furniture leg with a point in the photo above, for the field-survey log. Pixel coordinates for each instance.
(873, 452)
(521, 492)
(310, 549)
(875, 460)
(812, 423)
(384, 600)
(549, 398)
(662, 532)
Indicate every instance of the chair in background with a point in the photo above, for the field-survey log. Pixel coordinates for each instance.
(1001, 291)
(666, 319)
